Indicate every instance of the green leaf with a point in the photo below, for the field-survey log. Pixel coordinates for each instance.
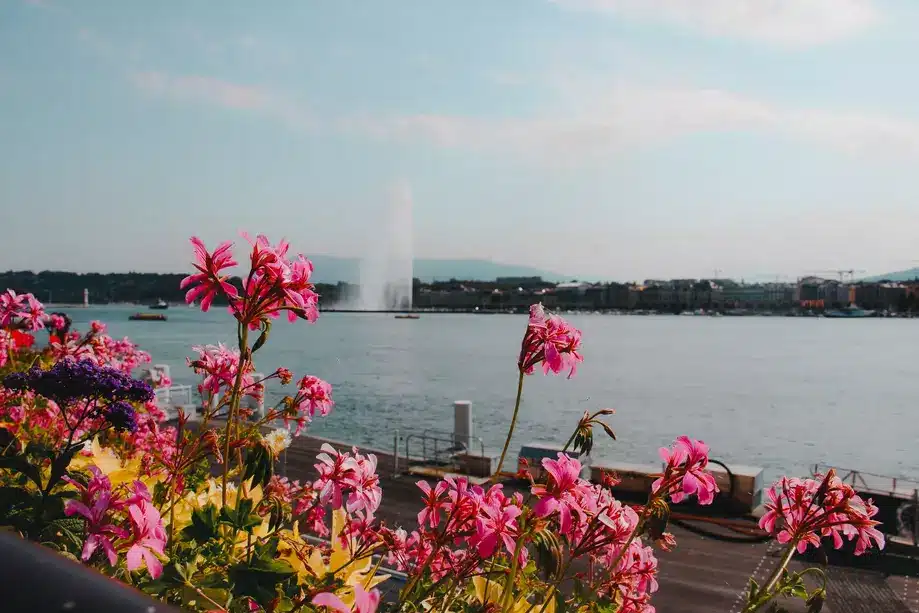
(21, 465)
(203, 525)
(754, 590)
(260, 580)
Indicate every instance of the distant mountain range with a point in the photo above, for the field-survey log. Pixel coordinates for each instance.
(903, 275)
(332, 269)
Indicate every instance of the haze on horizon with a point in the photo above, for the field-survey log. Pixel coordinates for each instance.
(615, 139)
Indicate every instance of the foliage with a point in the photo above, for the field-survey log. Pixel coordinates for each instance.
(88, 467)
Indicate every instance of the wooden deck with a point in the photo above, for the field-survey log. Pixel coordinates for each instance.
(701, 575)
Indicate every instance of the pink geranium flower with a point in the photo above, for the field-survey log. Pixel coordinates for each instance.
(149, 538)
(364, 601)
(550, 341)
(208, 282)
(97, 505)
(313, 396)
(496, 524)
(434, 503)
(685, 472)
(803, 511)
(561, 492)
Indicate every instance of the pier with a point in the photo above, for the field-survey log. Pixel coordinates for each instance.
(701, 575)
(718, 547)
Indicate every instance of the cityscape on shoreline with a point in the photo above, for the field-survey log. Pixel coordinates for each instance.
(808, 296)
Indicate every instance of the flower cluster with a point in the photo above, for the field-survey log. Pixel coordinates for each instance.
(21, 309)
(803, 511)
(313, 395)
(274, 283)
(348, 480)
(685, 472)
(550, 341)
(70, 380)
(218, 366)
(108, 511)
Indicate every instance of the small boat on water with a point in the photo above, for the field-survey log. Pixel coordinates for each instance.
(407, 316)
(850, 312)
(160, 305)
(147, 317)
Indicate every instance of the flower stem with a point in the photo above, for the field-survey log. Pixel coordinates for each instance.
(758, 602)
(510, 431)
(507, 600)
(234, 404)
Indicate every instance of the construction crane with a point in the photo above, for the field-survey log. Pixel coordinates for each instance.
(842, 273)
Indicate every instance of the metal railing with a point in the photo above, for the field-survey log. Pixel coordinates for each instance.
(438, 446)
(872, 483)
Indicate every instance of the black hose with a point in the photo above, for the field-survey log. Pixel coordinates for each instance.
(729, 496)
(727, 538)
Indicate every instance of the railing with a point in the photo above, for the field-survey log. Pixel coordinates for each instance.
(899, 507)
(872, 483)
(438, 446)
(168, 398)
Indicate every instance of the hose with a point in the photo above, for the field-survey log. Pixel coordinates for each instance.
(750, 535)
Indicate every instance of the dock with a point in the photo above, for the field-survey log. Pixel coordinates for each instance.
(701, 575)
(710, 568)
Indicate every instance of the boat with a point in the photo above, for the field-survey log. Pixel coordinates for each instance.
(407, 316)
(160, 305)
(850, 312)
(147, 317)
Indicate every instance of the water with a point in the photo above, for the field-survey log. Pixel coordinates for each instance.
(781, 393)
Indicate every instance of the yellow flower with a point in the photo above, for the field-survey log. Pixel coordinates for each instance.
(350, 571)
(490, 592)
(193, 501)
(117, 470)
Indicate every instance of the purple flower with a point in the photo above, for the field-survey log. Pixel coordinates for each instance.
(121, 415)
(70, 380)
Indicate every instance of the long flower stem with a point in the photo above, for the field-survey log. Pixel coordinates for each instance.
(234, 405)
(507, 599)
(758, 602)
(510, 431)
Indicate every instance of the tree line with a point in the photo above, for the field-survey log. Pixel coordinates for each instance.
(58, 287)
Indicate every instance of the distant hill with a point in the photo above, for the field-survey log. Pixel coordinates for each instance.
(903, 275)
(332, 269)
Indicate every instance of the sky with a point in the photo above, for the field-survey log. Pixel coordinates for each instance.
(615, 139)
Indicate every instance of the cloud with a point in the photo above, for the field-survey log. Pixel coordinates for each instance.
(223, 94)
(791, 23)
(628, 117)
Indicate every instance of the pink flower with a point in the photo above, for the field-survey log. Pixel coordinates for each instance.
(364, 601)
(351, 475)
(803, 511)
(208, 282)
(149, 538)
(219, 365)
(96, 505)
(550, 341)
(275, 284)
(496, 524)
(313, 395)
(434, 503)
(366, 494)
(11, 305)
(57, 322)
(97, 327)
(685, 472)
(561, 492)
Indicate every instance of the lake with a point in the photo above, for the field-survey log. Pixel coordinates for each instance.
(781, 393)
